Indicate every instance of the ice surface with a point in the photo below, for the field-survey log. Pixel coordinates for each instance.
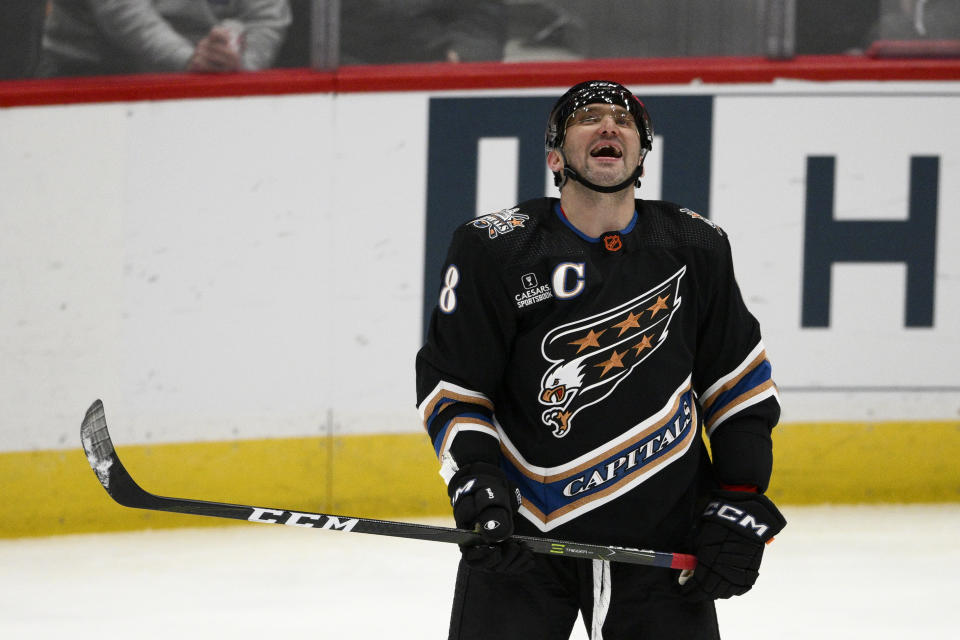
(871, 572)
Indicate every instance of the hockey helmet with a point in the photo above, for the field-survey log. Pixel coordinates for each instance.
(594, 92)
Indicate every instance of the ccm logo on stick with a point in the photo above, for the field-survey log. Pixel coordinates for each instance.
(736, 516)
(296, 519)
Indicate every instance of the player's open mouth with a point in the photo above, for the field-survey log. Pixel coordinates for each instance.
(606, 151)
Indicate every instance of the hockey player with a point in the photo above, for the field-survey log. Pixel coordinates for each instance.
(579, 350)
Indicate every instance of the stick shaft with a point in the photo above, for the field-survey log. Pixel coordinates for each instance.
(121, 486)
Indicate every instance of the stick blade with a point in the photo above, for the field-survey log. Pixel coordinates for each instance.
(97, 444)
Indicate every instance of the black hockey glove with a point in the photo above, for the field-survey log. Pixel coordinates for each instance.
(733, 531)
(484, 501)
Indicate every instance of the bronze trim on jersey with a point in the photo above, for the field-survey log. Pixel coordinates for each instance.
(452, 430)
(454, 396)
(708, 402)
(738, 401)
(681, 448)
(545, 479)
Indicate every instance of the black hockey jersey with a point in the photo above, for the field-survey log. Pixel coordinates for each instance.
(588, 368)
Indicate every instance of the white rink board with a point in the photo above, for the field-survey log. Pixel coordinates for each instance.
(758, 197)
(253, 267)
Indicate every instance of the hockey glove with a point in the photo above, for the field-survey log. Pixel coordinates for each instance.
(484, 501)
(729, 544)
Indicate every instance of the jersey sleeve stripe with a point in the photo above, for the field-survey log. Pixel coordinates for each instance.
(446, 392)
(440, 406)
(754, 358)
(463, 422)
(754, 396)
(758, 375)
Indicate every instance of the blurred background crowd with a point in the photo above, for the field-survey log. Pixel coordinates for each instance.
(51, 38)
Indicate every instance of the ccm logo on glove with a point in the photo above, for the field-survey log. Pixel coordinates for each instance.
(729, 544)
(737, 516)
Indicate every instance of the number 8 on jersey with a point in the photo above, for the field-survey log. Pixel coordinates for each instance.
(448, 297)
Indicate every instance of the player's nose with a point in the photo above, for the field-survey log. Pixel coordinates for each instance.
(608, 124)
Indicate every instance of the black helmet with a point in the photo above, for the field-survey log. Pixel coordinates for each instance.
(593, 92)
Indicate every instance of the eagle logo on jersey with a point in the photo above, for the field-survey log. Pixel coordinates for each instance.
(590, 357)
(697, 216)
(500, 222)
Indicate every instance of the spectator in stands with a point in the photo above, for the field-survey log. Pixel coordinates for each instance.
(391, 31)
(94, 37)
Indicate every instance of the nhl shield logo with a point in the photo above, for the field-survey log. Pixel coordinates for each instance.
(590, 357)
(612, 242)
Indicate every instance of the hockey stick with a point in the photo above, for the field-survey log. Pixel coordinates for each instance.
(123, 489)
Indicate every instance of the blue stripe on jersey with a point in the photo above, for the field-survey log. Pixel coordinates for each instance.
(442, 433)
(440, 406)
(590, 487)
(760, 374)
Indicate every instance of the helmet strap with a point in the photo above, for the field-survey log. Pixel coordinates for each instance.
(571, 173)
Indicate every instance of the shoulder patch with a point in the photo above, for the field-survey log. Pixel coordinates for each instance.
(500, 223)
(697, 216)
